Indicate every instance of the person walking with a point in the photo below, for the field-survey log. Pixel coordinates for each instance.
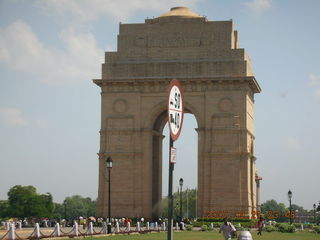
(227, 229)
(260, 226)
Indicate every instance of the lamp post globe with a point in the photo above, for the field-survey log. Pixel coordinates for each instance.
(181, 182)
(109, 162)
(289, 194)
(290, 197)
(109, 166)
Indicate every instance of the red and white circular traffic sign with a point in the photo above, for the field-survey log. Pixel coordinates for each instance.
(175, 109)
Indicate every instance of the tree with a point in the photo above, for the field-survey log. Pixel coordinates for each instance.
(4, 207)
(191, 208)
(274, 211)
(74, 207)
(24, 201)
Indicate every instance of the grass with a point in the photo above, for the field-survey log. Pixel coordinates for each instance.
(195, 235)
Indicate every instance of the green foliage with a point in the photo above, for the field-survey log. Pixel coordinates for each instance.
(58, 211)
(300, 209)
(285, 227)
(317, 229)
(24, 201)
(188, 196)
(240, 228)
(297, 225)
(74, 207)
(189, 227)
(4, 208)
(270, 228)
(274, 211)
(204, 228)
(308, 225)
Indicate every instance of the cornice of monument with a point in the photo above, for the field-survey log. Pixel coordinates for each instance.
(183, 79)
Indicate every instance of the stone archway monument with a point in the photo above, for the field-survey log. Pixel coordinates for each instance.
(219, 89)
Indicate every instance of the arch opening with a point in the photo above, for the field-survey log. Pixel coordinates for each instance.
(186, 166)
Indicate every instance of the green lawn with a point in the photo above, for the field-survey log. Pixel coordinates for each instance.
(193, 235)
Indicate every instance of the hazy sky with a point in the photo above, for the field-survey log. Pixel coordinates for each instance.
(50, 109)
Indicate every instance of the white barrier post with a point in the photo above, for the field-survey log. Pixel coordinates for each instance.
(301, 227)
(90, 230)
(104, 228)
(128, 227)
(117, 227)
(19, 225)
(156, 226)
(177, 226)
(7, 226)
(182, 225)
(75, 229)
(57, 232)
(138, 227)
(37, 231)
(211, 225)
(12, 232)
(163, 226)
(148, 226)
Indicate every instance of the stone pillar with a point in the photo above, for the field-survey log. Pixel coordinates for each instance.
(258, 179)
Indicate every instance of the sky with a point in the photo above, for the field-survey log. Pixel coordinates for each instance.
(50, 50)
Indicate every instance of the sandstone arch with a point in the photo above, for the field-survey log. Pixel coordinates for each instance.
(219, 89)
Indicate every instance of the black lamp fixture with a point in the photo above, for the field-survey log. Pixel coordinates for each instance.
(109, 162)
(181, 182)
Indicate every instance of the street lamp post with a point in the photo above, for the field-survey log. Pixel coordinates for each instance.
(181, 184)
(65, 209)
(290, 196)
(109, 166)
(314, 213)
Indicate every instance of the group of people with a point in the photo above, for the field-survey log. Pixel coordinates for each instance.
(229, 231)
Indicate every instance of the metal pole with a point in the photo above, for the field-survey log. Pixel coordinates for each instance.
(109, 202)
(181, 203)
(187, 204)
(314, 215)
(65, 211)
(170, 202)
(196, 190)
(290, 211)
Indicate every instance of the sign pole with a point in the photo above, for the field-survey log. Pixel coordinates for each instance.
(170, 197)
(175, 119)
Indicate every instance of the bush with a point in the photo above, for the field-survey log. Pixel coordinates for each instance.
(189, 227)
(297, 225)
(197, 224)
(270, 228)
(204, 228)
(317, 229)
(240, 229)
(285, 227)
(308, 225)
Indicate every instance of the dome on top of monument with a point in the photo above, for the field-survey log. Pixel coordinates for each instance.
(180, 12)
